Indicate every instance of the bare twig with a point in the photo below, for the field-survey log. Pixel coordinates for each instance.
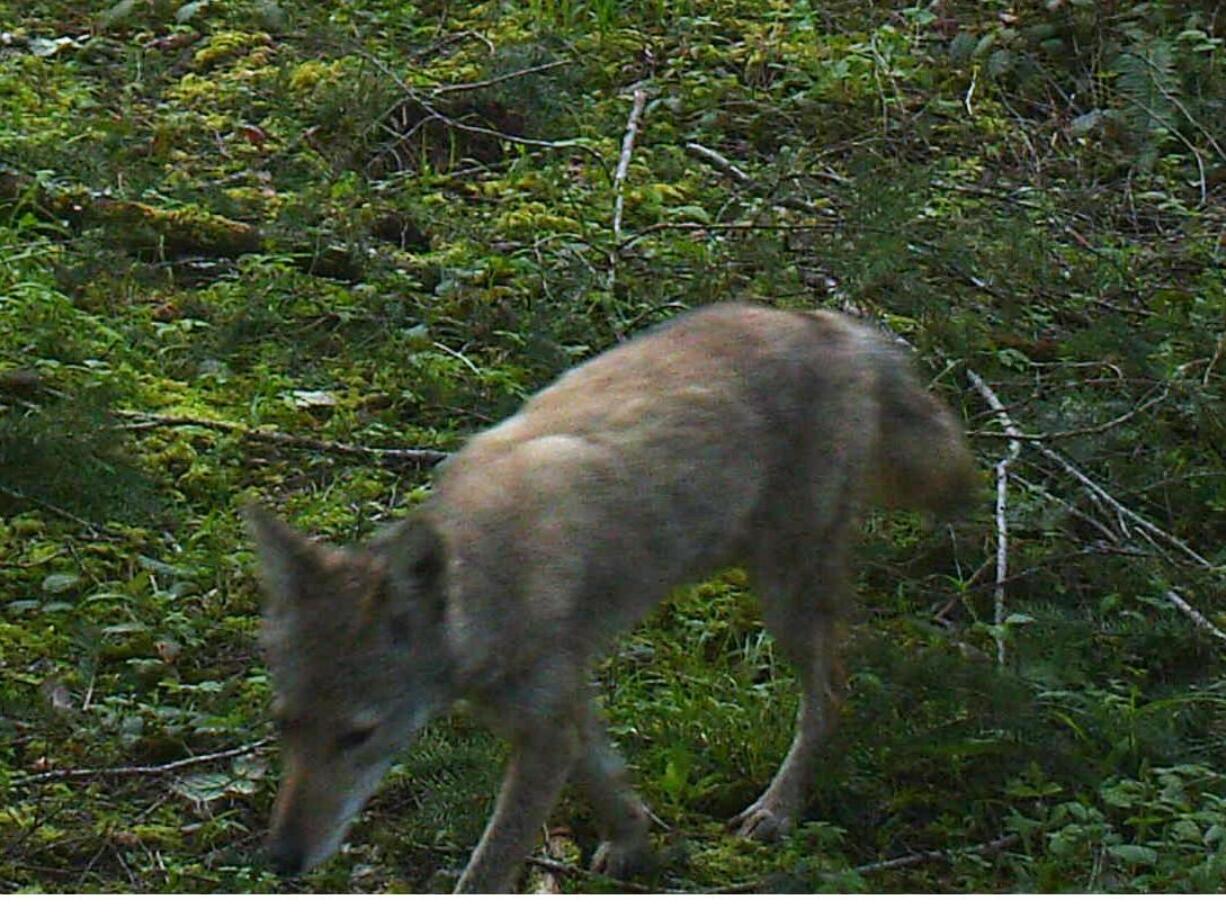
(435, 115)
(1201, 622)
(1100, 494)
(132, 771)
(573, 870)
(1217, 355)
(698, 226)
(1078, 431)
(619, 181)
(928, 857)
(1002, 492)
(1175, 132)
(1096, 491)
(940, 616)
(897, 863)
(501, 78)
(721, 162)
(1178, 103)
(623, 163)
(97, 530)
(560, 848)
(1110, 534)
(416, 457)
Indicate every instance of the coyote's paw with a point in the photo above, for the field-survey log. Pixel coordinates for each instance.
(761, 822)
(622, 859)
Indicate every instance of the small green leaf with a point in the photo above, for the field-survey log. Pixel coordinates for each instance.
(204, 788)
(118, 13)
(1134, 854)
(60, 583)
(188, 11)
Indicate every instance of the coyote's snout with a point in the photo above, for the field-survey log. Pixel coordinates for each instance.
(734, 434)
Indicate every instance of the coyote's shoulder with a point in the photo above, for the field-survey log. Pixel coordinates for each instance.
(733, 434)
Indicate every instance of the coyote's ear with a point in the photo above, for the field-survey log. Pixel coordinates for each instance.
(418, 561)
(287, 557)
(423, 555)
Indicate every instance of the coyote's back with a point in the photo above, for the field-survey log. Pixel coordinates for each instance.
(734, 434)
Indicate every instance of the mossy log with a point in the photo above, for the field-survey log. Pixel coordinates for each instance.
(160, 232)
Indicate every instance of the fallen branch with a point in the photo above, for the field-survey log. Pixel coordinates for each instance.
(929, 857)
(698, 226)
(1152, 533)
(434, 114)
(1078, 431)
(1097, 492)
(573, 870)
(1201, 622)
(132, 771)
(165, 233)
(1002, 496)
(136, 227)
(720, 162)
(725, 165)
(416, 457)
(1100, 494)
(98, 531)
(940, 615)
(560, 848)
(494, 81)
(623, 163)
(909, 860)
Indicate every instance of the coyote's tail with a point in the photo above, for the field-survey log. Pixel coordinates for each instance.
(922, 460)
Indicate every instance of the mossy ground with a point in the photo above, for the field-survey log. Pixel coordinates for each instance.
(1034, 191)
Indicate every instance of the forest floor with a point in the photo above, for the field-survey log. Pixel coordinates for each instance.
(255, 249)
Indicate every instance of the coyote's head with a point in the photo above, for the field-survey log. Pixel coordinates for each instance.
(354, 639)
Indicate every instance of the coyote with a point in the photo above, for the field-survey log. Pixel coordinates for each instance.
(733, 434)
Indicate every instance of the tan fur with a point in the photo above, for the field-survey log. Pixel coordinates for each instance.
(734, 434)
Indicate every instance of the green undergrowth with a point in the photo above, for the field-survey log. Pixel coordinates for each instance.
(1032, 191)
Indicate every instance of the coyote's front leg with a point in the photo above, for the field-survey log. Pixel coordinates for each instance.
(625, 848)
(540, 763)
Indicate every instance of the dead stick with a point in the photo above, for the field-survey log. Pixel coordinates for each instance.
(98, 531)
(712, 227)
(623, 164)
(1002, 489)
(1079, 431)
(560, 848)
(415, 457)
(908, 860)
(721, 162)
(131, 771)
(574, 870)
(1099, 493)
(485, 84)
(939, 616)
(1201, 622)
(927, 857)
(454, 124)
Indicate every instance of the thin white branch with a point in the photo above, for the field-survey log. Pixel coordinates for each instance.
(1002, 497)
(1099, 494)
(720, 162)
(132, 771)
(1201, 622)
(623, 164)
(502, 78)
(619, 179)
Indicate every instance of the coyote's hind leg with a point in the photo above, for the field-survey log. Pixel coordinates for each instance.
(801, 612)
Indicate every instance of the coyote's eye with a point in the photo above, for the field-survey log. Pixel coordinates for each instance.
(352, 739)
